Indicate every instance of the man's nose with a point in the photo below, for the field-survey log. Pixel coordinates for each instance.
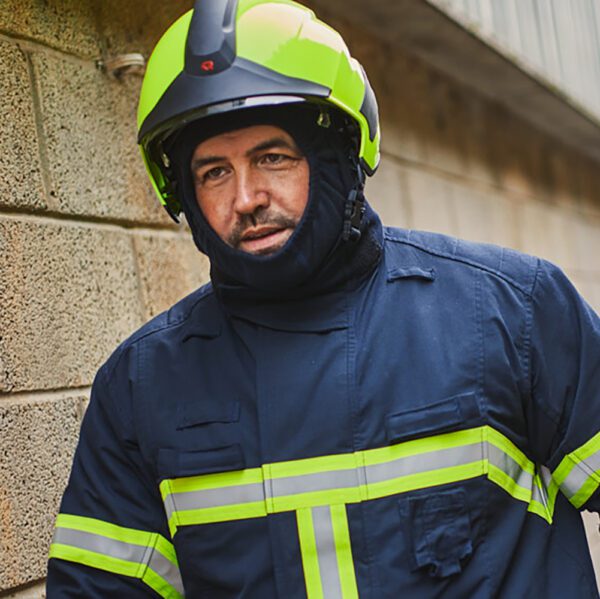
(250, 194)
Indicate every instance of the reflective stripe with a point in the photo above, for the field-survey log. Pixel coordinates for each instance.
(308, 551)
(326, 553)
(325, 543)
(356, 477)
(343, 548)
(101, 545)
(129, 552)
(210, 498)
(578, 474)
(422, 463)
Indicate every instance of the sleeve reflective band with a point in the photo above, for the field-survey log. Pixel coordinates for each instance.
(360, 476)
(146, 556)
(326, 552)
(578, 474)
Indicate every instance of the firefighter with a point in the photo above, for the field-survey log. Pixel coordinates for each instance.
(346, 410)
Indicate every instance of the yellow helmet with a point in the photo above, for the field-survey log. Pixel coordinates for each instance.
(227, 55)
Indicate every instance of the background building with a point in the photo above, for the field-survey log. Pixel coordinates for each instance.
(491, 131)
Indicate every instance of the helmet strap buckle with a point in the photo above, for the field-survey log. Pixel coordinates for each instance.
(354, 208)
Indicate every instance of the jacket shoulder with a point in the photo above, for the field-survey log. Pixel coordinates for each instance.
(186, 313)
(516, 268)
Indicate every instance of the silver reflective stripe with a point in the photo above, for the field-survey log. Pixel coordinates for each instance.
(167, 570)
(325, 542)
(320, 481)
(129, 552)
(540, 496)
(366, 477)
(545, 475)
(220, 497)
(323, 481)
(505, 463)
(579, 474)
(100, 544)
(423, 462)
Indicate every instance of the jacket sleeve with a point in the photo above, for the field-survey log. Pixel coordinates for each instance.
(111, 535)
(565, 387)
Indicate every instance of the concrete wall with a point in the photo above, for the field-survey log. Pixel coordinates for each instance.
(86, 255)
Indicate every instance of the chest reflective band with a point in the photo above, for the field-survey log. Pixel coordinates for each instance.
(306, 485)
(578, 474)
(146, 556)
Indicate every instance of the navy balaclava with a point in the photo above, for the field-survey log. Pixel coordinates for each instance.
(306, 264)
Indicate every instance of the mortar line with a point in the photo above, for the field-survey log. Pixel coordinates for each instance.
(33, 45)
(45, 395)
(58, 218)
(22, 588)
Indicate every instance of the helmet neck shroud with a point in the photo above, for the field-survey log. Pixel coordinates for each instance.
(316, 256)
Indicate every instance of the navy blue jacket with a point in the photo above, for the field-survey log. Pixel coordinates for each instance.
(431, 431)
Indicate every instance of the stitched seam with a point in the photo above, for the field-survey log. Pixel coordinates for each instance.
(461, 259)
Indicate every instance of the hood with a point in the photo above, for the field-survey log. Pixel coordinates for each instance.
(315, 258)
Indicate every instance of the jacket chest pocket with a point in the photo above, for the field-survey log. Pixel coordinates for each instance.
(180, 463)
(436, 516)
(438, 532)
(207, 429)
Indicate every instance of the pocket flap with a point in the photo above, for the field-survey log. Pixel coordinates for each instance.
(199, 412)
(441, 416)
(176, 463)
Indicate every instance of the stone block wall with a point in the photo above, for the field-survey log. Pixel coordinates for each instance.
(87, 255)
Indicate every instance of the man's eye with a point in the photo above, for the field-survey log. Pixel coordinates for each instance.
(213, 173)
(274, 159)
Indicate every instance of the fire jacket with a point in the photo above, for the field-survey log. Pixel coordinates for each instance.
(431, 431)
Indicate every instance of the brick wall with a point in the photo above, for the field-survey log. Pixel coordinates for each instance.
(86, 254)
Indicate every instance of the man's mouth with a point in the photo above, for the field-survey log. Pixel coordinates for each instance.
(264, 239)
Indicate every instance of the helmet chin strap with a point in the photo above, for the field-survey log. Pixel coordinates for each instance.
(354, 208)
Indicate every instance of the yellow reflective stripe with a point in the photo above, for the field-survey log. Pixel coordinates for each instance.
(114, 566)
(424, 445)
(329, 463)
(343, 549)
(211, 515)
(302, 500)
(509, 448)
(541, 508)
(144, 555)
(218, 480)
(578, 474)
(586, 491)
(423, 480)
(308, 551)
(588, 449)
(360, 476)
(95, 560)
(118, 533)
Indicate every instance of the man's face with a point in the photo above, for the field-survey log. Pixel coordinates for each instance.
(252, 187)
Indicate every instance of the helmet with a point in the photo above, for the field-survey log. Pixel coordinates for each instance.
(227, 55)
